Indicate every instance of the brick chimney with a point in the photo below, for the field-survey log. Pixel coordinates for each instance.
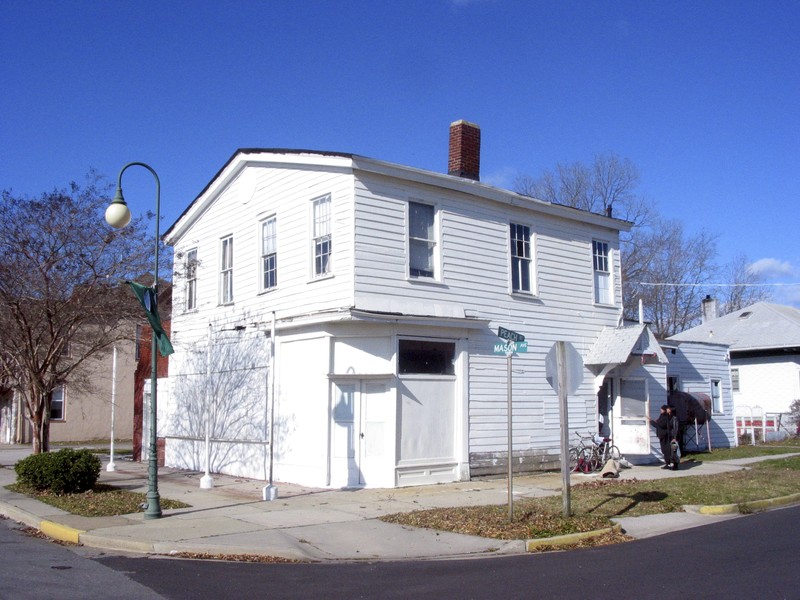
(464, 159)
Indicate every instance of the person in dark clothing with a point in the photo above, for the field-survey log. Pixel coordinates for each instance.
(673, 433)
(662, 433)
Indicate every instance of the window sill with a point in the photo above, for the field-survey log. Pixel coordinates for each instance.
(426, 281)
(604, 305)
(321, 278)
(523, 295)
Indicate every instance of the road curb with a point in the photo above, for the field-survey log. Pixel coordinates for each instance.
(64, 533)
(727, 509)
(568, 539)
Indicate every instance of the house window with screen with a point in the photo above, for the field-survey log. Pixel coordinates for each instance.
(521, 258)
(269, 254)
(716, 395)
(321, 243)
(735, 380)
(602, 273)
(421, 240)
(226, 271)
(57, 404)
(191, 279)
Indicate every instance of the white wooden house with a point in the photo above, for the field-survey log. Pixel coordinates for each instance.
(703, 370)
(335, 320)
(764, 349)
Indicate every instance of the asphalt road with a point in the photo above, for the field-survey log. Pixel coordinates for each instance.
(751, 557)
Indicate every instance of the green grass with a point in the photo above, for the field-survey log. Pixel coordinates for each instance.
(101, 501)
(747, 451)
(595, 503)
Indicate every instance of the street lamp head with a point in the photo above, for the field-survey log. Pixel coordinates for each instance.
(118, 215)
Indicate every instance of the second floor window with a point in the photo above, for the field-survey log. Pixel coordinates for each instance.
(226, 271)
(191, 279)
(321, 242)
(269, 254)
(421, 240)
(520, 258)
(57, 404)
(602, 273)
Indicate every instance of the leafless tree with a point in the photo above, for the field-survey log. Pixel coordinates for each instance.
(607, 186)
(670, 272)
(742, 286)
(61, 301)
(668, 269)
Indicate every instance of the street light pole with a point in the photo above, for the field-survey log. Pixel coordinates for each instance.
(118, 215)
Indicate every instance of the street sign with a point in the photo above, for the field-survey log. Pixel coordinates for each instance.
(511, 336)
(507, 348)
(573, 366)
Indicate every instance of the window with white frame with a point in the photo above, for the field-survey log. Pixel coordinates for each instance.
(421, 240)
(735, 380)
(57, 397)
(191, 279)
(226, 270)
(321, 242)
(716, 395)
(521, 258)
(602, 273)
(269, 253)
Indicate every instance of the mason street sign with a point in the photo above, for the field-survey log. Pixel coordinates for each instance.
(510, 347)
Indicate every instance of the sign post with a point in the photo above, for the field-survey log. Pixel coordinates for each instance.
(564, 372)
(515, 342)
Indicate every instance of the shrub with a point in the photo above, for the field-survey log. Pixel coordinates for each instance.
(67, 471)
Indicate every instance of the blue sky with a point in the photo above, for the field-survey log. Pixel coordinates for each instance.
(702, 96)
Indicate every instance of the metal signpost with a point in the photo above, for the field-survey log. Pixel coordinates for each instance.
(564, 372)
(514, 342)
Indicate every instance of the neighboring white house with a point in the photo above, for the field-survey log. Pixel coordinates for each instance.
(764, 341)
(347, 309)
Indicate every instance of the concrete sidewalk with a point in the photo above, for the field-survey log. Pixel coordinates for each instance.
(310, 524)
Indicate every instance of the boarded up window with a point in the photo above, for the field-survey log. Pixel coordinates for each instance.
(426, 357)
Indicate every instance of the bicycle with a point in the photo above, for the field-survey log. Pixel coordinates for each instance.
(591, 453)
(581, 456)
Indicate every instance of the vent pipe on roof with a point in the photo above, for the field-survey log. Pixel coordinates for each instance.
(464, 157)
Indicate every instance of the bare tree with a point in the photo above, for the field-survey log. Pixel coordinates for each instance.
(60, 296)
(670, 273)
(668, 269)
(607, 186)
(742, 287)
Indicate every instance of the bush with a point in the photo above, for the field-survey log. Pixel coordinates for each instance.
(67, 471)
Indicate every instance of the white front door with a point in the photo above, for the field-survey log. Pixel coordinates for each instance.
(630, 417)
(362, 442)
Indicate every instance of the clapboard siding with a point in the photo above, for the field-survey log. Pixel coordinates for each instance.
(696, 364)
(238, 210)
(370, 272)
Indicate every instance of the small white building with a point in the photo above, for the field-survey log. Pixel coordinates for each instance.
(764, 348)
(335, 320)
(702, 370)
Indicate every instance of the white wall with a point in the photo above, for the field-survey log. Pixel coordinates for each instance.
(696, 364)
(474, 280)
(769, 382)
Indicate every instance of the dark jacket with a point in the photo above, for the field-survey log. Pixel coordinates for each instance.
(662, 426)
(673, 426)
